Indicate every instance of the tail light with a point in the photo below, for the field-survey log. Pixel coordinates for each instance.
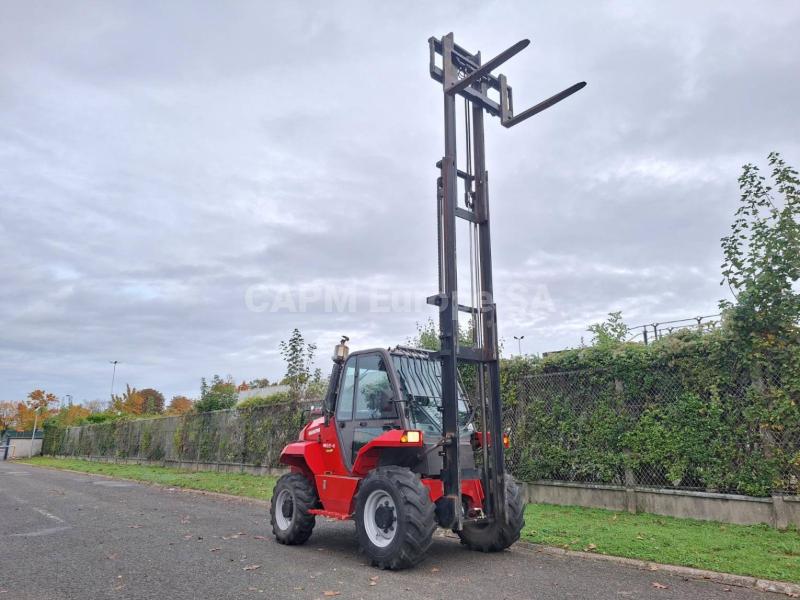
(411, 436)
(476, 440)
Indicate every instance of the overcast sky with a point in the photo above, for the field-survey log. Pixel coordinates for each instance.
(174, 176)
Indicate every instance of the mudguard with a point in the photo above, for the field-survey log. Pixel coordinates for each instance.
(303, 457)
(369, 454)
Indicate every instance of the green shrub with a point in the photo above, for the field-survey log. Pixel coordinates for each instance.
(254, 401)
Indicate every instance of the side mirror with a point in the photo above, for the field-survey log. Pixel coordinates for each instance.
(315, 411)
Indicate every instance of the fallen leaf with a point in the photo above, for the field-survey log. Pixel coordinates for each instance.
(659, 586)
(435, 570)
(188, 536)
(331, 593)
(215, 549)
(373, 583)
(375, 578)
(259, 537)
(590, 548)
(134, 526)
(251, 567)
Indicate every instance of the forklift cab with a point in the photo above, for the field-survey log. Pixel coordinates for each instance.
(366, 402)
(379, 390)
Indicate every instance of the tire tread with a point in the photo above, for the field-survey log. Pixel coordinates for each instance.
(418, 510)
(305, 498)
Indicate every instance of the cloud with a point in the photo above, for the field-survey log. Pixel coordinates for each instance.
(158, 163)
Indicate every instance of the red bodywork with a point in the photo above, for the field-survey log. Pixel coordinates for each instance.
(317, 455)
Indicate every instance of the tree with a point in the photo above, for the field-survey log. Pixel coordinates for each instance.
(219, 395)
(131, 402)
(298, 356)
(258, 383)
(761, 267)
(74, 414)
(427, 336)
(612, 331)
(762, 254)
(40, 400)
(317, 387)
(7, 413)
(179, 405)
(35, 409)
(152, 401)
(95, 406)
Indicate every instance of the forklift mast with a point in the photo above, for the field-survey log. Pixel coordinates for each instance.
(462, 73)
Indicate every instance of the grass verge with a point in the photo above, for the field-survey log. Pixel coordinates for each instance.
(755, 550)
(238, 484)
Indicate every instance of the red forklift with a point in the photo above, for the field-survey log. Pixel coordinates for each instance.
(401, 447)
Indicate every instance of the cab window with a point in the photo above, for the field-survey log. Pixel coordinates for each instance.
(344, 406)
(374, 397)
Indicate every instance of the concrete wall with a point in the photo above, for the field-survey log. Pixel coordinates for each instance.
(777, 511)
(22, 448)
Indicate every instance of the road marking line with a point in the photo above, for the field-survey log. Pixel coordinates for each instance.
(41, 532)
(42, 511)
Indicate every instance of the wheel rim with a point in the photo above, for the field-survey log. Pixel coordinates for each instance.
(284, 509)
(380, 518)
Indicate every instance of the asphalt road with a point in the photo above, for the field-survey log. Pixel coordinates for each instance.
(68, 535)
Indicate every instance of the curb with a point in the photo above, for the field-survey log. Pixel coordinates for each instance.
(744, 581)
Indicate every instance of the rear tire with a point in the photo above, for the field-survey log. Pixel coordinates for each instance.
(394, 518)
(494, 537)
(293, 497)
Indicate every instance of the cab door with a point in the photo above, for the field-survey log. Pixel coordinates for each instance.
(367, 403)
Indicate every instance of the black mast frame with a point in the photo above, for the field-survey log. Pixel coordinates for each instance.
(462, 73)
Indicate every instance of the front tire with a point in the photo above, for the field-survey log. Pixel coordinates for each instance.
(394, 518)
(494, 537)
(292, 498)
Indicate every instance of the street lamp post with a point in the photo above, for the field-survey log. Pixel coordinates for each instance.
(519, 343)
(113, 374)
(33, 435)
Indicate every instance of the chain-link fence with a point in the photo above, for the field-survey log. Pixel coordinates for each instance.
(656, 428)
(251, 437)
(659, 426)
